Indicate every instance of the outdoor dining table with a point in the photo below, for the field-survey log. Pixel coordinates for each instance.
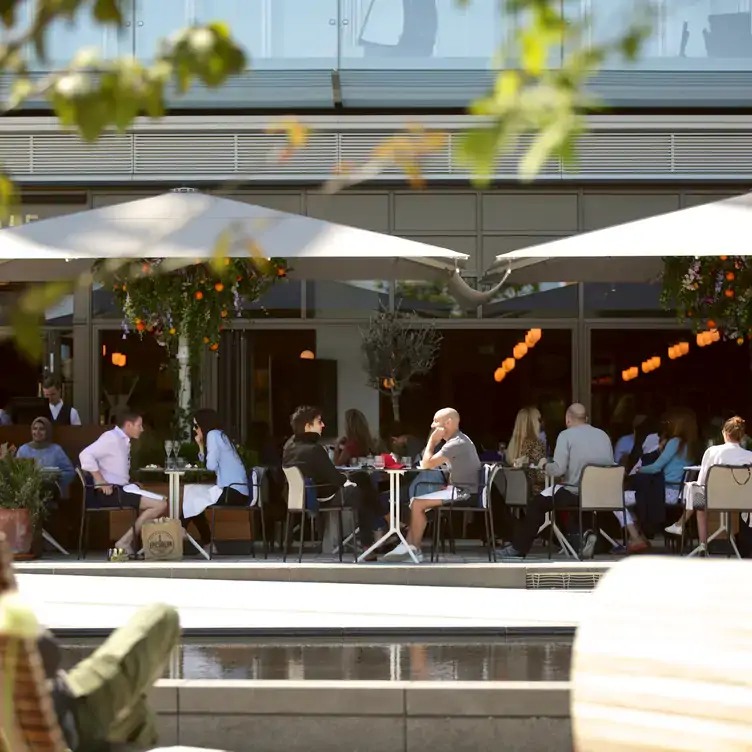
(174, 476)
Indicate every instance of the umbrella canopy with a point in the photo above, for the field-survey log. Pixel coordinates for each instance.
(188, 225)
(633, 252)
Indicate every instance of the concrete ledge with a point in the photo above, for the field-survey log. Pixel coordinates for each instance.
(343, 716)
(544, 575)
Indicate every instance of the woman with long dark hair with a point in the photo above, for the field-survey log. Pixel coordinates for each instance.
(221, 457)
(357, 441)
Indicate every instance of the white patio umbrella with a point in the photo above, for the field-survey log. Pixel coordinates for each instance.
(188, 225)
(633, 252)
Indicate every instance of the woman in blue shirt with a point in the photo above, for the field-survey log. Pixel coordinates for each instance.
(221, 457)
(678, 452)
(48, 455)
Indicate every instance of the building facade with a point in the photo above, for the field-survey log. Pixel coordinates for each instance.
(349, 70)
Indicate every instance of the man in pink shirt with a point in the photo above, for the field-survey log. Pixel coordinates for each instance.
(108, 460)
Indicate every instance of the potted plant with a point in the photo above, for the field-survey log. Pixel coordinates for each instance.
(23, 498)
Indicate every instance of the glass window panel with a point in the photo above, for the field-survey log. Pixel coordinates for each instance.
(687, 34)
(156, 21)
(463, 377)
(65, 38)
(144, 383)
(547, 300)
(61, 314)
(279, 34)
(421, 34)
(328, 299)
(281, 301)
(432, 300)
(624, 301)
(706, 380)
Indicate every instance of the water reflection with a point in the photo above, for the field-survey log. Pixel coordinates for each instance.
(367, 660)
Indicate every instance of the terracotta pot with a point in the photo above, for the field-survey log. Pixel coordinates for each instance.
(16, 524)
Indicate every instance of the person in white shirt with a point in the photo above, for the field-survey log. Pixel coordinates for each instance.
(60, 413)
(728, 453)
(108, 460)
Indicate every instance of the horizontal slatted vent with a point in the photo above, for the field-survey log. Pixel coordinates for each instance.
(65, 153)
(357, 148)
(508, 164)
(185, 153)
(15, 154)
(615, 153)
(268, 153)
(211, 154)
(713, 153)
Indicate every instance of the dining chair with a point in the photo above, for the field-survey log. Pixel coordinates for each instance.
(302, 501)
(90, 504)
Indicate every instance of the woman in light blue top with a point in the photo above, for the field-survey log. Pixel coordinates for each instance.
(679, 450)
(221, 457)
(46, 454)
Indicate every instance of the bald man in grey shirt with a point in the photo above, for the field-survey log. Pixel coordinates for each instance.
(580, 445)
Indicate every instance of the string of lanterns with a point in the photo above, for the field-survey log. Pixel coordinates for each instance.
(519, 351)
(708, 338)
(678, 350)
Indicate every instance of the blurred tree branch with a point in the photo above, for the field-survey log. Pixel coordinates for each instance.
(93, 95)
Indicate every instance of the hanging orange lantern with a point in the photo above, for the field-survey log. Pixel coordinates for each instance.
(534, 335)
(508, 364)
(625, 375)
(683, 348)
(672, 353)
(499, 375)
(655, 361)
(520, 351)
(715, 335)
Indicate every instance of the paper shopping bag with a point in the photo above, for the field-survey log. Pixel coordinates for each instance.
(163, 539)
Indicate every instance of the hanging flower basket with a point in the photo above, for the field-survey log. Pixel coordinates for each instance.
(194, 301)
(713, 292)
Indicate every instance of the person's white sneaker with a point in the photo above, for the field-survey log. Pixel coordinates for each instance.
(402, 553)
(674, 529)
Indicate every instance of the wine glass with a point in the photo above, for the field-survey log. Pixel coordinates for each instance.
(168, 447)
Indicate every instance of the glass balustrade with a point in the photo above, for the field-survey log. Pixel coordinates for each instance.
(364, 37)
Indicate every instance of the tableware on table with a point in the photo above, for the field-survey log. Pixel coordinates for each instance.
(406, 462)
(354, 462)
(181, 463)
(378, 462)
(169, 446)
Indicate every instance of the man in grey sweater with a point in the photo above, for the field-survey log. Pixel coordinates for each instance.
(579, 445)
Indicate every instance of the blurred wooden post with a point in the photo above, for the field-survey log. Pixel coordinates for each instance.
(663, 659)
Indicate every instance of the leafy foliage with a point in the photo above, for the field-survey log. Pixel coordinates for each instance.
(547, 103)
(22, 486)
(394, 352)
(712, 291)
(193, 301)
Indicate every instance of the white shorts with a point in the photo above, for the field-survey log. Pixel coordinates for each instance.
(445, 495)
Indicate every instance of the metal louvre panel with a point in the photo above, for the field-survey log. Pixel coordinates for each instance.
(713, 153)
(15, 154)
(268, 153)
(358, 147)
(65, 153)
(508, 164)
(184, 153)
(614, 153)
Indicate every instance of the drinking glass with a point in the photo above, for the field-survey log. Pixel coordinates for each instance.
(378, 462)
(168, 447)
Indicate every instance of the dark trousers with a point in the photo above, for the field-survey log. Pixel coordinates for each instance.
(364, 499)
(230, 497)
(535, 516)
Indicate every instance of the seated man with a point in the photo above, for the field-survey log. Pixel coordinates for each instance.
(302, 450)
(579, 445)
(108, 460)
(460, 454)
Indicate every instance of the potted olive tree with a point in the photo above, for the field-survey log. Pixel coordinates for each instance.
(23, 499)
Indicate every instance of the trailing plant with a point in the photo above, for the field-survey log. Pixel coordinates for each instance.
(22, 486)
(193, 301)
(713, 292)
